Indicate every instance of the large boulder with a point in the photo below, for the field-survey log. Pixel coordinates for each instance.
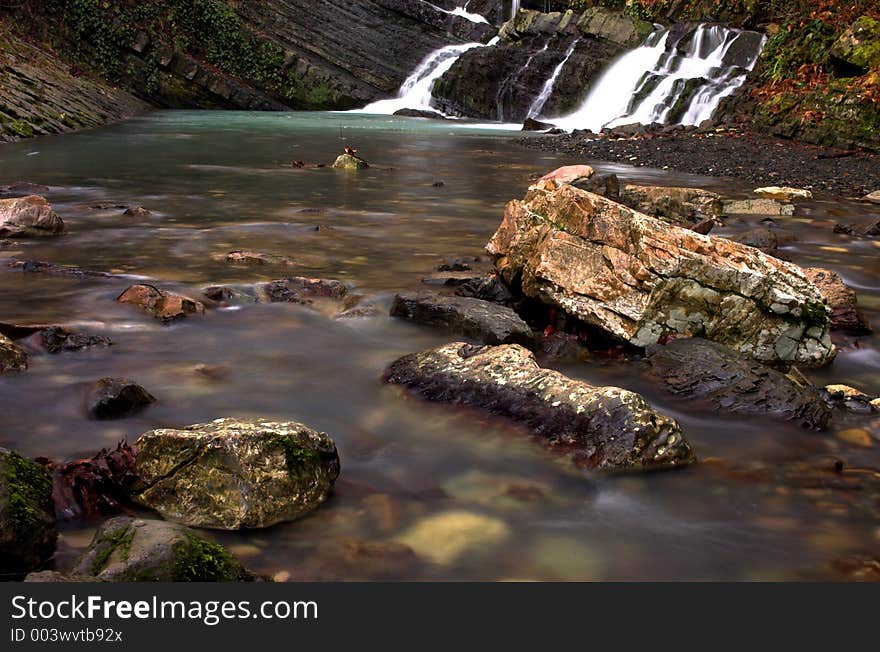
(712, 373)
(12, 357)
(857, 50)
(598, 427)
(139, 550)
(842, 299)
(28, 216)
(27, 519)
(163, 305)
(487, 322)
(672, 204)
(643, 280)
(234, 474)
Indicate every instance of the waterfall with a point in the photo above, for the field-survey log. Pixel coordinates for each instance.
(547, 89)
(660, 82)
(514, 7)
(415, 93)
(458, 11)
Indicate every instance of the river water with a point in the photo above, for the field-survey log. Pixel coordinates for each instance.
(471, 494)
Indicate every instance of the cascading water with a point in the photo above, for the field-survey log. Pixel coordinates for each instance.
(415, 93)
(547, 90)
(662, 82)
(514, 7)
(458, 11)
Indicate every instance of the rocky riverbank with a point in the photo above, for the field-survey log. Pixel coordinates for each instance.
(737, 153)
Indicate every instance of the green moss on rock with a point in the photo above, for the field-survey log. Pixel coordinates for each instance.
(27, 527)
(200, 560)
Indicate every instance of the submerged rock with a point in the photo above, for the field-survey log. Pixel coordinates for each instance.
(420, 113)
(642, 280)
(605, 428)
(163, 305)
(12, 357)
(244, 257)
(27, 521)
(52, 339)
(297, 289)
(481, 320)
(713, 373)
(116, 398)
(446, 537)
(872, 197)
(51, 269)
(672, 204)
(784, 193)
(766, 239)
(143, 550)
(28, 216)
(349, 162)
(842, 299)
(757, 207)
(137, 211)
(234, 474)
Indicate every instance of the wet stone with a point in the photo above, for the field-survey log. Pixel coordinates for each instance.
(481, 320)
(715, 374)
(599, 428)
(117, 398)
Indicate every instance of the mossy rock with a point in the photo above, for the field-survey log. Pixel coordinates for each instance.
(27, 521)
(859, 46)
(140, 550)
(232, 474)
(349, 162)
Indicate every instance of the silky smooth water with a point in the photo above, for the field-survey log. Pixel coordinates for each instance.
(219, 181)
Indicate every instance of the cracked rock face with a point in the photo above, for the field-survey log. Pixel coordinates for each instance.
(232, 474)
(642, 280)
(712, 373)
(672, 204)
(603, 428)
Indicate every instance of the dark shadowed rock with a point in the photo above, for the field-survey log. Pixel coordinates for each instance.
(420, 113)
(163, 305)
(144, 550)
(766, 239)
(481, 320)
(23, 189)
(52, 339)
(27, 523)
(713, 373)
(116, 398)
(486, 288)
(842, 299)
(97, 486)
(233, 474)
(12, 357)
(599, 427)
(530, 124)
(28, 216)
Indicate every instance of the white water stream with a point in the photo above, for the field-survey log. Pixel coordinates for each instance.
(644, 85)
